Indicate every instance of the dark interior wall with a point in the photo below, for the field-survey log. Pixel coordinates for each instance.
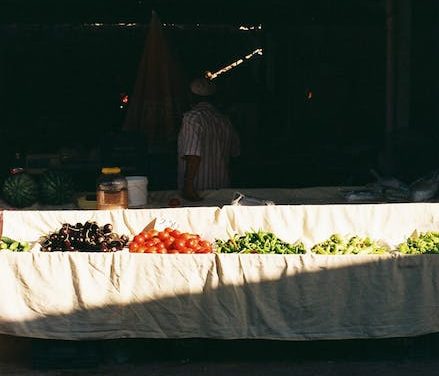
(64, 81)
(415, 138)
(425, 60)
(326, 73)
(71, 76)
(313, 104)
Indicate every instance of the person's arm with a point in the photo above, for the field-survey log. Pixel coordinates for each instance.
(191, 170)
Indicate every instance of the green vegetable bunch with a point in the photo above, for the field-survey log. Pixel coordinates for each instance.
(427, 242)
(258, 242)
(13, 245)
(338, 245)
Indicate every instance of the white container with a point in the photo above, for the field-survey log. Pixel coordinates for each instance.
(137, 191)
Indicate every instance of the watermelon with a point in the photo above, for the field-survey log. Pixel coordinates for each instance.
(56, 187)
(20, 190)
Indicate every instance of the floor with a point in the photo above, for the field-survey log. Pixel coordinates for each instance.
(308, 368)
(404, 356)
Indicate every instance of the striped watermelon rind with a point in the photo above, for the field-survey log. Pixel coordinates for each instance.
(20, 190)
(56, 188)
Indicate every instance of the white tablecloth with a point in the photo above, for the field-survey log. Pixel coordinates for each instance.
(280, 196)
(95, 295)
(220, 197)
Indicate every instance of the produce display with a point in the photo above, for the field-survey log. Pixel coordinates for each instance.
(86, 237)
(424, 243)
(8, 244)
(169, 241)
(338, 245)
(258, 242)
(56, 187)
(90, 237)
(20, 190)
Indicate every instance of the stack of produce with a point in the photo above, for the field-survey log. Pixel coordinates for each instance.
(56, 187)
(258, 242)
(8, 244)
(88, 237)
(20, 190)
(338, 245)
(169, 241)
(52, 187)
(424, 243)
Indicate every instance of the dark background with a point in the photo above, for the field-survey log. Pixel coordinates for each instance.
(62, 76)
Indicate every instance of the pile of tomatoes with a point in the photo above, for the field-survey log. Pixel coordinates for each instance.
(169, 241)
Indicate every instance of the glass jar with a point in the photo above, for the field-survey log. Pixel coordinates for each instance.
(112, 190)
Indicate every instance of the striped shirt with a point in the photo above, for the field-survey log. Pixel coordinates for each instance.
(207, 133)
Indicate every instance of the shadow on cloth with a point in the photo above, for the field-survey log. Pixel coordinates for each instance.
(394, 320)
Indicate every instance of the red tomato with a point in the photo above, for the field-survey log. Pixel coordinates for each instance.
(187, 250)
(173, 250)
(175, 233)
(198, 246)
(134, 247)
(169, 243)
(192, 243)
(168, 230)
(141, 249)
(152, 249)
(185, 236)
(204, 250)
(150, 243)
(164, 235)
(205, 243)
(156, 240)
(139, 238)
(161, 250)
(174, 202)
(180, 244)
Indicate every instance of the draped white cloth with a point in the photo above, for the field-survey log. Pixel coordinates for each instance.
(295, 297)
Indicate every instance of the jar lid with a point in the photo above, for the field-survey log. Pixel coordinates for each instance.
(111, 170)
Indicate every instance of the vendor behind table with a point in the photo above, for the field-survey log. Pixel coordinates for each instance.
(206, 143)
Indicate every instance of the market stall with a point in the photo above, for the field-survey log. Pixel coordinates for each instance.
(82, 295)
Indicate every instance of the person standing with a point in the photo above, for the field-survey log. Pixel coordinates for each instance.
(206, 142)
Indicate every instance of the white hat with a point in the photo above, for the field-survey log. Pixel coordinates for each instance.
(203, 87)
